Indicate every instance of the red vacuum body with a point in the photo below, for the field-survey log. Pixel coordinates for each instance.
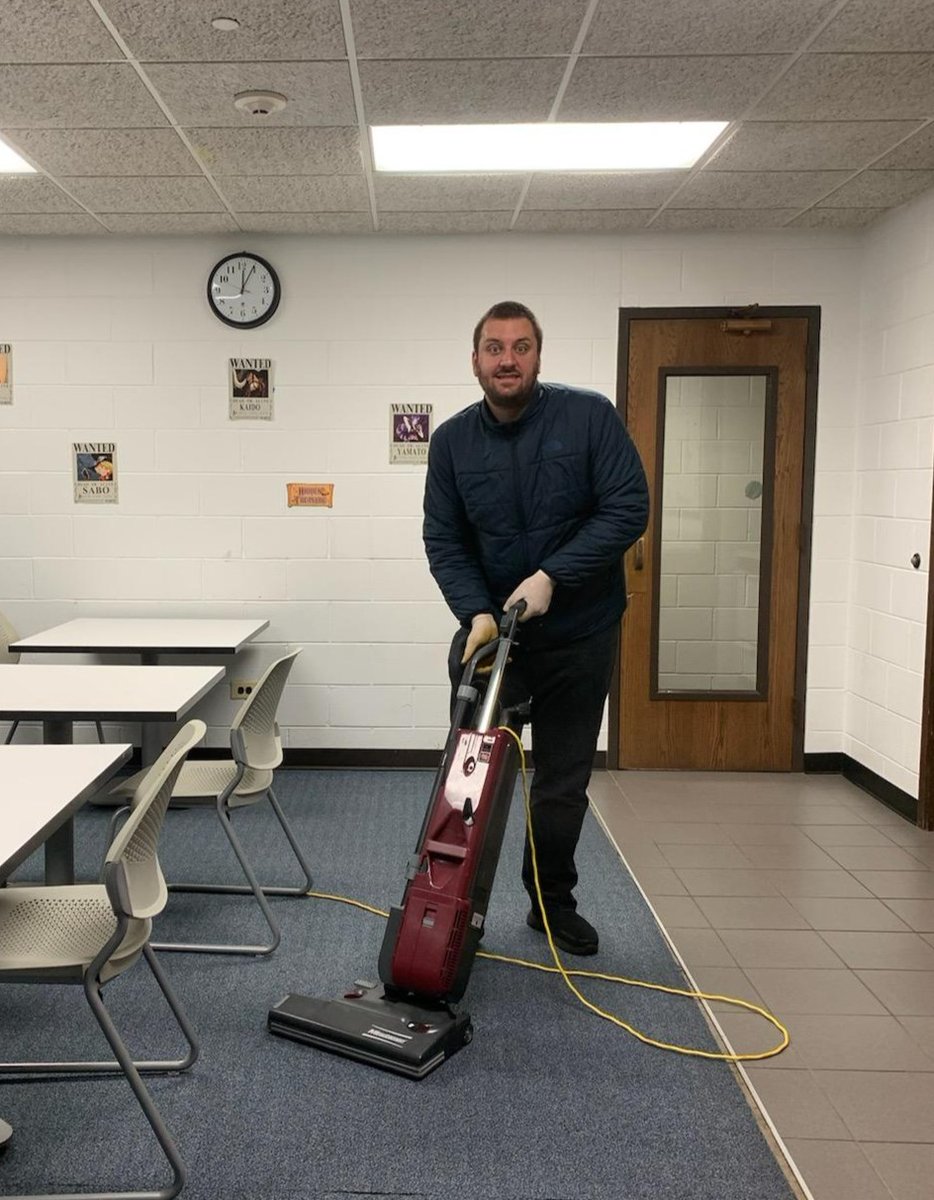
(432, 938)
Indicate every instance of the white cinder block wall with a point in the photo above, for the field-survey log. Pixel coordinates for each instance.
(113, 340)
(892, 510)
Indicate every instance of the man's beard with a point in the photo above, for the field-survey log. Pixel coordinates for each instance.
(516, 400)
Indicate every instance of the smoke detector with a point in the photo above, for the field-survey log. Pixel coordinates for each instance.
(260, 104)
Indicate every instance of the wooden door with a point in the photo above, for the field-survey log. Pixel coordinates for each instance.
(712, 661)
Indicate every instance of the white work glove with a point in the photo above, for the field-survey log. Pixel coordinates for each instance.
(536, 591)
(483, 629)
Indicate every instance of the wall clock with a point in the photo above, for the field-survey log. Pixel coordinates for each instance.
(243, 290)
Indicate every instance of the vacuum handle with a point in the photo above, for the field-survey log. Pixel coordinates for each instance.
(466, 696)
(507, 635)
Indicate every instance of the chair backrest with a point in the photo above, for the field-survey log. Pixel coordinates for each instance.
(254, 733)
(7, 634)
(134, 879)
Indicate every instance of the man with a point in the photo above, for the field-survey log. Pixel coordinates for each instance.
(533, 494)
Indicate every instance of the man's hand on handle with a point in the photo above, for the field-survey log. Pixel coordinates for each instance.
(483, 629)
(536, 591)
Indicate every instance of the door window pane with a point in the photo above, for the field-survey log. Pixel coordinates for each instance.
(714, 481)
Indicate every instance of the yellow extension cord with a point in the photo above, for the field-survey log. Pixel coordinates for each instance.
(566, 975)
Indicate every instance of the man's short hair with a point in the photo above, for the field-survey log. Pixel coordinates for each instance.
(507, 310)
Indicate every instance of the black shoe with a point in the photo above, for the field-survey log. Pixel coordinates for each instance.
(569, 931)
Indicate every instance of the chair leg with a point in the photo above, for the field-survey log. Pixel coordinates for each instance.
(9, 737)
(100, 732)
(146, 1103)
(240, 889)
(144, 1066)
(223, 813)
(92, 990)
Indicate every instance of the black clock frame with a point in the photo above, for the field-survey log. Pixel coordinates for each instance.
(277, 291)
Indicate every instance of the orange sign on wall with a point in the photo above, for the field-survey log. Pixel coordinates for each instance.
(310, 495)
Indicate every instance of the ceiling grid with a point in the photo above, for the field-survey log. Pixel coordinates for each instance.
(126, 110)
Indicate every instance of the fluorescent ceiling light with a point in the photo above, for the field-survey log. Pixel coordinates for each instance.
(11, 162)
(572, 146)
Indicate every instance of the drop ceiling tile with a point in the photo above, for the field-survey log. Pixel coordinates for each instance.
(444, 222)
(592, 221)
(46, 31)
(880, 189)
(853, 87)
(665, 88)
(809, 145)
(181, 31)
(327, 222)
(202, 94)
(476, 91)
(33, 194)
(714, 27)
(862, 26)
(169, 223)
(106, 151)
(604, 190)
(413, 29)
(722, 218)
(836, 218)
(323, 151)
(295, 193)
(63, 224)
(916, 154)
(76, 97)
(452, 193)
(757, 189)
(112, 194)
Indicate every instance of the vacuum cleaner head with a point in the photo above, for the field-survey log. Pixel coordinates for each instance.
(394, 1034)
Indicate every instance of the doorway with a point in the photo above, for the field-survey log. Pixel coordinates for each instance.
(721, 404)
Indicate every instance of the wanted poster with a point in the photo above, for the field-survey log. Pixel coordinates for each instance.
(94, 466)
(251, 389)
(409, 432)
(6, 373)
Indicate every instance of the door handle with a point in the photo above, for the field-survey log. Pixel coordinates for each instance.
(639, 555)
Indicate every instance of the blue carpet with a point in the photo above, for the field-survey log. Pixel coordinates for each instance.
(547, 1103)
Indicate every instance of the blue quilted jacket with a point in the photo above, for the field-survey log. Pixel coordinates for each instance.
(561, 489)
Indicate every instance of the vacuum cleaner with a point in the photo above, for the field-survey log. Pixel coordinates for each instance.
(409, 1024)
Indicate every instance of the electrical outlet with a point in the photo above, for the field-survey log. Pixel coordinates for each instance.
(241, 688)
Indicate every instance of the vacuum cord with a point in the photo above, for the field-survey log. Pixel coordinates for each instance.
(569, 976)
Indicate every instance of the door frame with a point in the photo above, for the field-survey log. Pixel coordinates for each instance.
(812, 314)
(925, 812)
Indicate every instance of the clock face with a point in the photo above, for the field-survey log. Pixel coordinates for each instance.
(243, 290)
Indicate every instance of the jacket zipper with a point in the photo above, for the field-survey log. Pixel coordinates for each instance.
(520, 506)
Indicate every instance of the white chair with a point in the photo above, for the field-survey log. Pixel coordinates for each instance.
(90, 933)
(229, 784)
(8, 658)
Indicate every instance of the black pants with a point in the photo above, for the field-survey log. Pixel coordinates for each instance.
(567, 686)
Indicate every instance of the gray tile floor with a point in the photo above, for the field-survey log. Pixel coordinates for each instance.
(805, 894)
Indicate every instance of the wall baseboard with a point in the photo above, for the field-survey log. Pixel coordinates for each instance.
(838, 763)
(831, 763)
(375, 760)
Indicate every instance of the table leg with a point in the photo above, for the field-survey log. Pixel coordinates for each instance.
(151, 742)
(60, 847)
(150, 738)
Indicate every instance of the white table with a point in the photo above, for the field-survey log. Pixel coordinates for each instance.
(41, 787)
(146, 636)
(60, 695)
